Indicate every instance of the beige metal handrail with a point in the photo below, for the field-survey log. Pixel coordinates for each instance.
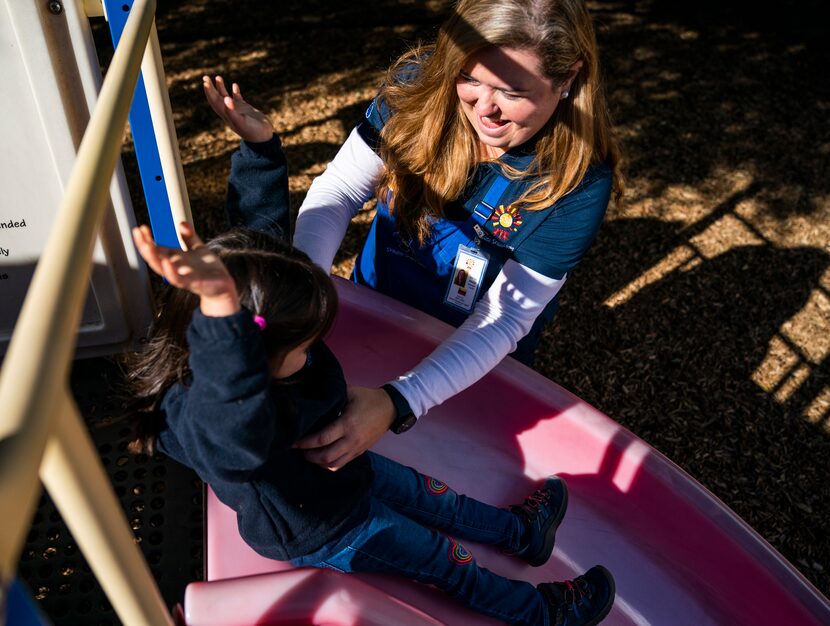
(158, 101)
(41, 430)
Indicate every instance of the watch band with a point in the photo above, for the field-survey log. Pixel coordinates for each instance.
(404, 417)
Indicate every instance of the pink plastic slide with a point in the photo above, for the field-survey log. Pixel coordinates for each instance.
(678, 554)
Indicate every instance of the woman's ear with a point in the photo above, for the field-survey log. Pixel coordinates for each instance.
(565, 87)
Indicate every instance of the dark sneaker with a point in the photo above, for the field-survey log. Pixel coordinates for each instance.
(583, 601)
(543, 512)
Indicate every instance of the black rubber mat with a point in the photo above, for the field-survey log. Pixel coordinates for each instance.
(161, 499)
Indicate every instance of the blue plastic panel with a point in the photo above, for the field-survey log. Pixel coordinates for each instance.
(21, 609)
(144, 140)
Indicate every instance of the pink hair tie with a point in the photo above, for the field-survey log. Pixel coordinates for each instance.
(260, 321)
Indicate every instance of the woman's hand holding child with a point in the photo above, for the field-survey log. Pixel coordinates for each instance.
(364, 421)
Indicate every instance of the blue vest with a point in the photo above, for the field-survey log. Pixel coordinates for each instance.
(419, 275)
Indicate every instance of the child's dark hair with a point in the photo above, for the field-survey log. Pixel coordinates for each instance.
(296, 298)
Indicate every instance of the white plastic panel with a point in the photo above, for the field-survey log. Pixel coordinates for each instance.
(51, 78)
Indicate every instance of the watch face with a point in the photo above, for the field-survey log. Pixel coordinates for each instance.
(404, 424)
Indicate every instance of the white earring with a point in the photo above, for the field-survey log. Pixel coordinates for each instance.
(564, 94)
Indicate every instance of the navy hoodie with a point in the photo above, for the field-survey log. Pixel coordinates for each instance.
(233, 424)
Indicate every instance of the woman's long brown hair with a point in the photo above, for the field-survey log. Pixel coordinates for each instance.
(429, 147)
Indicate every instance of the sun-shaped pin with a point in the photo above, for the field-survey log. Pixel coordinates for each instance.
(506, 220)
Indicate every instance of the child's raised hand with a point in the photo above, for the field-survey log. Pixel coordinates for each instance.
(196, 269)
(249, 123)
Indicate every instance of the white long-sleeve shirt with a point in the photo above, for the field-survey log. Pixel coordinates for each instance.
(505, 313)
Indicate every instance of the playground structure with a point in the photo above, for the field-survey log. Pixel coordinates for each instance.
(43, 437)
(679, 555)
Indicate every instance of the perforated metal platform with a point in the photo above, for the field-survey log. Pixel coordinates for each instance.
(161, 499)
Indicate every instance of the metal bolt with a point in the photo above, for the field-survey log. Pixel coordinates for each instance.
(55, 7)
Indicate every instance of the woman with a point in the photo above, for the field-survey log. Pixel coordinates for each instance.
(490, 151)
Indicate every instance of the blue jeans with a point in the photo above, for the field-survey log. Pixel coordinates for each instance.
(401, 537)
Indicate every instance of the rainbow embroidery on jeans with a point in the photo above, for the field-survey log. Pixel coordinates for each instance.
(458, 553)
(435, 487)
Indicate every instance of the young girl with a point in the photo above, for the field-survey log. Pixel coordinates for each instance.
(236, 371)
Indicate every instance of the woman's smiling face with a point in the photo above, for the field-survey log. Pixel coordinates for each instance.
(505, 96)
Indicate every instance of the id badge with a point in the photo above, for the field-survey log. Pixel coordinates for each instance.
(466, 278)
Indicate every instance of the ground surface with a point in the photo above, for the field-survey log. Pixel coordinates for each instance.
(700, 319)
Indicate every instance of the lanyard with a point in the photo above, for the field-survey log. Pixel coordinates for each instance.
(485, 207)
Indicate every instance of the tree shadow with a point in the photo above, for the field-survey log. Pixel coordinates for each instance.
(698, 89)
(677, 364)
(275, 50)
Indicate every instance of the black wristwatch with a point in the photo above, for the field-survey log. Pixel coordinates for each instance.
(404, 417)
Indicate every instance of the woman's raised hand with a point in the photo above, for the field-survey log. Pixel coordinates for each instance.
(197, 269)
(366, 418)
(249, 123)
